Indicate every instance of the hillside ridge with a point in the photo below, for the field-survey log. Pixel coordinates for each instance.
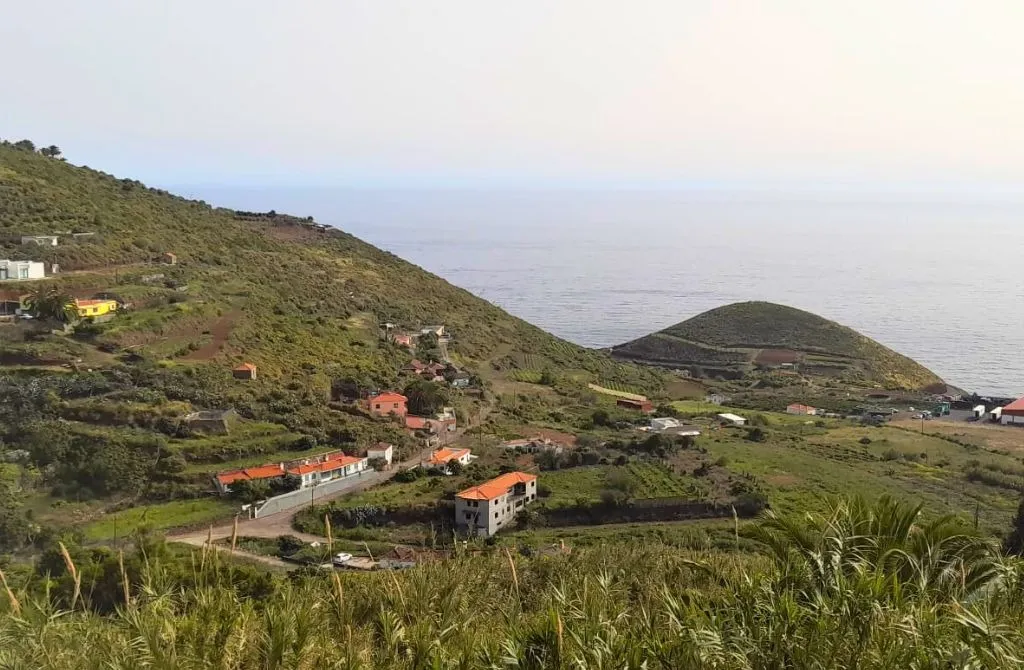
(734, 339)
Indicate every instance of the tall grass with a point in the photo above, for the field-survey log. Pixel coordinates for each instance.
(861, 587)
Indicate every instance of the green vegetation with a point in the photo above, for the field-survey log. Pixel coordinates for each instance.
(732, 338)
(100, 409)
(861, 586)
(159, 516)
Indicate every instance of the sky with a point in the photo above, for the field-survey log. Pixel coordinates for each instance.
(471, 93)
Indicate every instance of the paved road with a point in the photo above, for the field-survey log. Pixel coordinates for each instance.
(274, 525)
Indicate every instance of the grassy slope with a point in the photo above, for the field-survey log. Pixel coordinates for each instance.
(282, 283)
(300, 303)
(715, 335)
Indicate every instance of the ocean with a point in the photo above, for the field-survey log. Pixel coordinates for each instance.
(936, 277)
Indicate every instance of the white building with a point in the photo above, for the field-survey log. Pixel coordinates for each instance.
(663, 423)
(1013, 414)
(381, 450)
(483, 510)
(41, 240)
(732, 419)
(716, 399)
(21, 270)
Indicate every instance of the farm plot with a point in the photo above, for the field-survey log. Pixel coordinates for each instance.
(656, 480)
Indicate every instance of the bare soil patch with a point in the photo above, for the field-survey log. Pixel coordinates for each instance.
(990, 435)
(219, 333)
(776, 356)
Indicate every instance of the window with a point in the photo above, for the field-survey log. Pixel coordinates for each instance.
(469, 515)
(495, 515)
(23, 273)
(377, 406)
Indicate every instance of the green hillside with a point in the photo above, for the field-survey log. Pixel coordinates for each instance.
(740, 336)
(98, 409)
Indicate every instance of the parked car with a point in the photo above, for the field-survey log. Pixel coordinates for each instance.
(341, 559)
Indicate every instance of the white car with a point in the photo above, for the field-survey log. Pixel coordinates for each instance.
(341, 559)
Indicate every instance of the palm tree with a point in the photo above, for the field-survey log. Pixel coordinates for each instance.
(883, 543)
(52, 306)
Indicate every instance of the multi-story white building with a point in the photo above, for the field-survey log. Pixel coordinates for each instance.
(21, 270)
(485, 509)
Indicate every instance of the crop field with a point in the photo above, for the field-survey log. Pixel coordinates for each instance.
(656, 480)
(616, 390)
(526, 376)
(802, 473)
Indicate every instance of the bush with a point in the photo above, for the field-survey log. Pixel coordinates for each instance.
(408, 475)
(288, 545)
(304, 443)
(756, 435)
(865, 440)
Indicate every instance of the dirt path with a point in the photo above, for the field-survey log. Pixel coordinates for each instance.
(259, 558)
(219, 334)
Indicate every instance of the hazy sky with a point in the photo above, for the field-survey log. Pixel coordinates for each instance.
(524, 92)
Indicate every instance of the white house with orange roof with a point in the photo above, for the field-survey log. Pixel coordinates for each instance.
(442, 457)
(333, 466)
(485, 509)
(311, 472)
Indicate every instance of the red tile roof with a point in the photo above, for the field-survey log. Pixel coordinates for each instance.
(1016, 407)
(496, 487)
(247, 367)
(258, 472)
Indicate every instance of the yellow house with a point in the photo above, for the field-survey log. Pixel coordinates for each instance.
(87, 308)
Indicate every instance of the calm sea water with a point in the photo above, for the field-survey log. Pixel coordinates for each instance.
(940, 279)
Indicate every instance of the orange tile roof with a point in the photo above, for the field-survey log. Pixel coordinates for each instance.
(330, 465)
(496, 487)
(442, 456)
(246, 366)
(388, 396)
(416, 422)
(258, 472)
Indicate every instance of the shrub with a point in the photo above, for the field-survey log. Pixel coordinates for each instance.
(865, 440)
(756, 435)
(288, 545)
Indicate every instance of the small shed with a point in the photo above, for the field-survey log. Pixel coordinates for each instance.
(643, 406)
(168, 258)
(40, 240)
(381, 450)
(732, 419)
(217, 422)
(244, 371)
